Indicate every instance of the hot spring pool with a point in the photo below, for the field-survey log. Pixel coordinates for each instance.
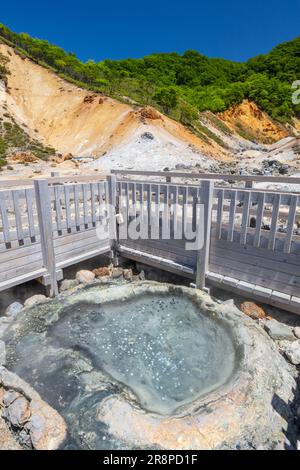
(123, 360)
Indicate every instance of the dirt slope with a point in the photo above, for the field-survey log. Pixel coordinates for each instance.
(247, 120)
(72, 120)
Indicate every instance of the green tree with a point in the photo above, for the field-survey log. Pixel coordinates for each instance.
(166, 98)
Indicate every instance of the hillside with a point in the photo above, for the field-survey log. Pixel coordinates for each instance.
(180, 85)
(45, 119)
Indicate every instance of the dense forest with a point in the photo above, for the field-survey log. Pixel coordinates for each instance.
(179, 85)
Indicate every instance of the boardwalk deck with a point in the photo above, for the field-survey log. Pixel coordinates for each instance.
(251, 240)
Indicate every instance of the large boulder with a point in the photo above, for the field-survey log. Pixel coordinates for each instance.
(14, 309)
(36, 423)
(279, 331)
(253, 310)
(102, 272)
(35, 299)
(84, 277)
(68, 284)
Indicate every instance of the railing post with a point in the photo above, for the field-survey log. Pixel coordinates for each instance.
(206, 200)
(43, 203)
(112, 211)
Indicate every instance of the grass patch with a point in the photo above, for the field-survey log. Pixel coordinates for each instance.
(218, 123)
(14, 138)
(211, 135)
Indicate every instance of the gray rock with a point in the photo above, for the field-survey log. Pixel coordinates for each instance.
(84, 276)
(35, 299)
(10, 396)
(117, 273)
(183, 166)
(147, 136)
(2, 354)
(4, 324)
(292, 352)
(279, 331)
(14, 309)
(18, 412)
(24, 439)
(142, 276)
(297, 331)
(68, 284)
(128, 274)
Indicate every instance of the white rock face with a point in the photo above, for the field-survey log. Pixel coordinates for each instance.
(35, 299)
(292, 352)
(14, 309)
(2, 354)
(85, 276)
(297, 331)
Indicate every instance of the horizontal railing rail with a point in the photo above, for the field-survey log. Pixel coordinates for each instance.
(167, 175)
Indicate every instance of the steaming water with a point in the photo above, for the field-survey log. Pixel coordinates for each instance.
(160, 348)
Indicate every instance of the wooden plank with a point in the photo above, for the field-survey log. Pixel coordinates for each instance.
(231, 216)
(24, 260)
(290, 224)
(245, 218)
(73, 251)
(249, 291)
(112, 203)
(20, 271)
(185, 196)
(157, 261)
(58, 210)
(4, 218)
(161, 251)
(29, 195)
(288, 285)
(77, 205)
(259, 271)
(274, 221)
(88, 255)
(253, 251)
(259, 261)
(93, 203)
(220, 213)
(155, 219)
(22, 279)
(259, 218)
(68, 207)
(16, 204)
(85, 188)
(19, 251)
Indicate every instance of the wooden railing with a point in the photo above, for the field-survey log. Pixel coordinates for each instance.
(48, 227)
(251, 237)
(170, 176)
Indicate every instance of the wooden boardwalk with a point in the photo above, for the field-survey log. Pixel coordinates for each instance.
(251, 240)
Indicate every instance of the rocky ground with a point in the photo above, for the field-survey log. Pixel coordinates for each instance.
(281, 327)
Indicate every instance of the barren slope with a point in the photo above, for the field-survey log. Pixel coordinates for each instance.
(247, 120)
(72, 120)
